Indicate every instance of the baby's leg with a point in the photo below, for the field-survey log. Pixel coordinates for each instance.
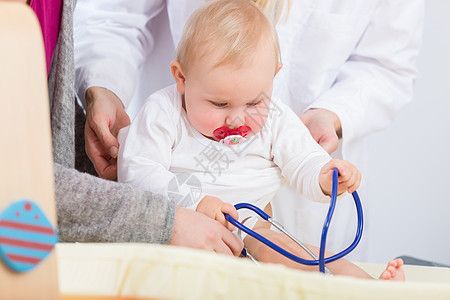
(265, 254)
(394, 270)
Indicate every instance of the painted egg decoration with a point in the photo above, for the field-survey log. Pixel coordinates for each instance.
(26, 235)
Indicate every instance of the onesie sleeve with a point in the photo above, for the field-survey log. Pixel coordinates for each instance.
(297, 154)
(146, 145)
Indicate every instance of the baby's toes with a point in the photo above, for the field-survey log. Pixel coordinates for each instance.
(386, 275)
(393, 263)
(392, 270)
(399, 262)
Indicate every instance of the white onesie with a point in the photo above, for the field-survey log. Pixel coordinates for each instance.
(161, 152)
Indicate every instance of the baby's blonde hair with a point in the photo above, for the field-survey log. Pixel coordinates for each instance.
(228, 29)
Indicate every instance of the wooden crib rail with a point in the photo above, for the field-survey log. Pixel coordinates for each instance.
(26, 168)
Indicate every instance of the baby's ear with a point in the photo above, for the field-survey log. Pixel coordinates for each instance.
(178, 75)
(280, 65)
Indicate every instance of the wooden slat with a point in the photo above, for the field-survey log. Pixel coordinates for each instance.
(26, 168)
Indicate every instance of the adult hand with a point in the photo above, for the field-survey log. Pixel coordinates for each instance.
(195, 230)
(105, 116)
(325, 127)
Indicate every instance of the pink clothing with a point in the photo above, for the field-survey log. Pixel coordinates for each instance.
(48, 13)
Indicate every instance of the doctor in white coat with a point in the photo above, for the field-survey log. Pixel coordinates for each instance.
(348, 68)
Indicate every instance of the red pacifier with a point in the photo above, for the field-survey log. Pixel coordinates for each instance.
(231, 136)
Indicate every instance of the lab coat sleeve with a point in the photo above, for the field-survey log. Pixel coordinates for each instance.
(111, 40)
(377, 79)
(146, 147)
(297, 154)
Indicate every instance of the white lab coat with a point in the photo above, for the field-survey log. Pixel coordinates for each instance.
(353, 57)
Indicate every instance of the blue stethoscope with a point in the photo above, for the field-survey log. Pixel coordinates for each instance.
(321, 261)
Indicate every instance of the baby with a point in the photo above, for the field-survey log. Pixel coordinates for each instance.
(217, 137)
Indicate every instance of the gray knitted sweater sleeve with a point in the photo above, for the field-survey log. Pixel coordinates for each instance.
(91, 209)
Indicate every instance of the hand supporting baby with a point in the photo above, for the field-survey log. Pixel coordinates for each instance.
(216, 209)
(349, 177)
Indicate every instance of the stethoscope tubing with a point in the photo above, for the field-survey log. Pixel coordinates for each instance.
(321, 261)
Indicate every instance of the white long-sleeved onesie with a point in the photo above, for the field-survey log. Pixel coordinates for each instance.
(161, 152)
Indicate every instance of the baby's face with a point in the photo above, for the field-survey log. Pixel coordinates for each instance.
(228, 95)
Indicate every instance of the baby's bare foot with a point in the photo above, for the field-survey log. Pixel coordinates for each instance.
(394, 271)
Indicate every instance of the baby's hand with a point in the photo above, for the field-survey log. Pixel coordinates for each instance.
(349, 176)
(215, 208)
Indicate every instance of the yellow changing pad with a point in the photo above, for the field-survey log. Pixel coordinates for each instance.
(138, 271)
